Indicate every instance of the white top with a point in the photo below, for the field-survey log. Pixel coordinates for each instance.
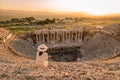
(42, 60)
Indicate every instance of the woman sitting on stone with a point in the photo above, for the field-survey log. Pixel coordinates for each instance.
(42, 56)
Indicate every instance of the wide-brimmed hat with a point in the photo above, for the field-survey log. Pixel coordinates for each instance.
(42, 47)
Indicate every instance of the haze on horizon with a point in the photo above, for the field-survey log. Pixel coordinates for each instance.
(95, 7)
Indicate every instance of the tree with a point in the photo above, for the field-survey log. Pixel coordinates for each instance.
(30, 18)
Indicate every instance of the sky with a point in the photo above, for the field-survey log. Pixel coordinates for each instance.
(96, 7)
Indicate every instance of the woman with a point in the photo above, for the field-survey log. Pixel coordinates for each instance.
(42, 56)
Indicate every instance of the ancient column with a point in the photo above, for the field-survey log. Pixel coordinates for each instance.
(63, 37)
(43, 37)
(76, 36)
(56, 37)
(66, 37)
(71, 36)
(52, 38)
(81, 34)
(48, 38)
(39, 38)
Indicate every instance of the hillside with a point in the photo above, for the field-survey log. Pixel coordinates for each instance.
(7, 14)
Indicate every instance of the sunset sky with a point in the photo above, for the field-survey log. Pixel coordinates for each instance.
(97, 7)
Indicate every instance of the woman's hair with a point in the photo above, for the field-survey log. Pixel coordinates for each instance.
(40, 53)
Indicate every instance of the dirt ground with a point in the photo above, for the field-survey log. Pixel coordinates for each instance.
(13, 67)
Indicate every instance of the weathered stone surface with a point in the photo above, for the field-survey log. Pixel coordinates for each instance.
(20, 68)
(100, 46)
(25, 48)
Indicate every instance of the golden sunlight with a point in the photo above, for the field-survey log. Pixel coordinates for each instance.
(96, 7)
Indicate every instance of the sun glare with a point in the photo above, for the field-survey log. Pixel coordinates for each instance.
(95, 7)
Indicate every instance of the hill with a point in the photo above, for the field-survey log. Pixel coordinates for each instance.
(7, 14)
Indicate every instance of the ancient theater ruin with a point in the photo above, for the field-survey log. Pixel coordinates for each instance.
(60, 40)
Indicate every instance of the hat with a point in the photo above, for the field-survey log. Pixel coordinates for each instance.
(42, 47)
